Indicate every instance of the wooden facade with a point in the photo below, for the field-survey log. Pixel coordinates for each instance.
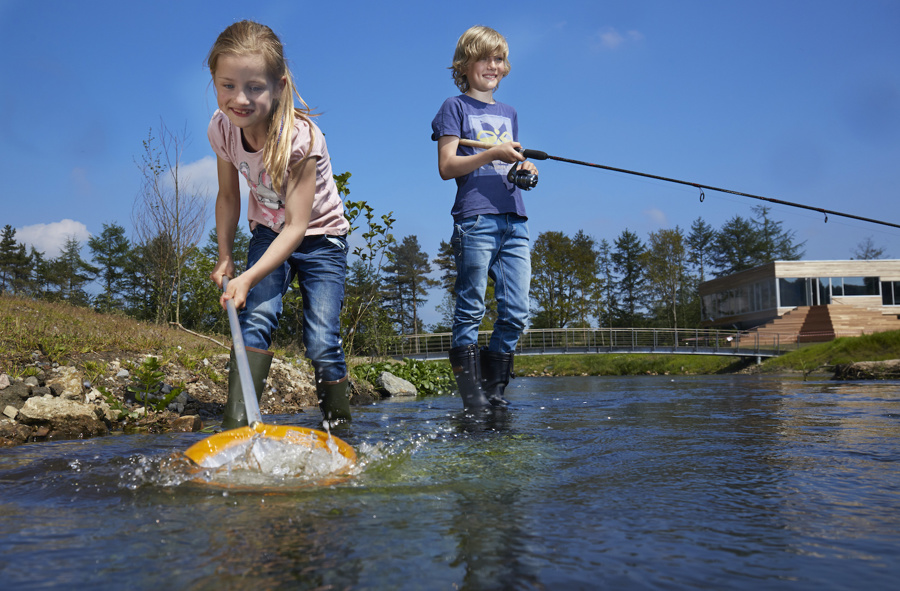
(756, 296)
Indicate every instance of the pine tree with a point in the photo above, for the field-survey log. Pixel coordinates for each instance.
(407, 282)
(626, 260)
(110, 253)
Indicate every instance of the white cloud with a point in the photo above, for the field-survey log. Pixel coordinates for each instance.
(201, 175)
(610, 38)
(50, 238)
(657, 217)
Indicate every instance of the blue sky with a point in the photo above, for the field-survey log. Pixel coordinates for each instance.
(795, 100)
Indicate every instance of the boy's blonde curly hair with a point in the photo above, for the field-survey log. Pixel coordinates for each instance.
(476, 44)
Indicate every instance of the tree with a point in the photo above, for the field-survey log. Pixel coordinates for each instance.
(446, 264)
(626, 259)
(774, 242)
(606, 302)
(699, 244)
(407, 282)
(586, 270)
(665, 266)
(563, 279)
(10, 259)
(363, 312)
(372, 329)
(742, 244)
(169, 216)
(866, 250)
(70, 273)
(110, 252)
(200, 309)
(736, 247)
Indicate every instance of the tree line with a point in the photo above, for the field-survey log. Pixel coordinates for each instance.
(161, 275)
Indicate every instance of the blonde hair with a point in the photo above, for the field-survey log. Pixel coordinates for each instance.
(477, 43)
(250, 38)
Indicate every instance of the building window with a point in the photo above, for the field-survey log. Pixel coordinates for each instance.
(890, 293)
(854, 286)
(793, 292)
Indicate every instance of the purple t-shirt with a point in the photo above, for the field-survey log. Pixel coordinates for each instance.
(486, 189)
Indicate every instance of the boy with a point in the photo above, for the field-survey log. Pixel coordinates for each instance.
(490, 231)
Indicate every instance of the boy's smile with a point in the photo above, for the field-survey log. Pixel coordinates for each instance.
(483, 77)
(246, 95)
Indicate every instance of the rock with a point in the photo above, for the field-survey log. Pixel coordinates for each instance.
(67, 383)
(32, 381)
(15, 395)
(63, 419)
(12, 433)
(296, 386)
(11, 411)
(4, 381)
(868, 370)
(391, 385)
(362, 393)
(187, 424)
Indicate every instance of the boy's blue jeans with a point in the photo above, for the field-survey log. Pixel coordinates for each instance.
(320, 265)
(494, 245)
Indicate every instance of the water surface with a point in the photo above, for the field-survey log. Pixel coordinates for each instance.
(656, 482)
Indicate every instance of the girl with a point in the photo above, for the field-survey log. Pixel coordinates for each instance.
(295, 213)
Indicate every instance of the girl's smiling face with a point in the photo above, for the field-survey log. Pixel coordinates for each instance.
(246, 94)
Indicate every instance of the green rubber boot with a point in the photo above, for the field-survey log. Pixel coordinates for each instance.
(235, 411)
(334, 401)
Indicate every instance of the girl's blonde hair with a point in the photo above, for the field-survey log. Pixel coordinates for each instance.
(476, 44)
(250, 38)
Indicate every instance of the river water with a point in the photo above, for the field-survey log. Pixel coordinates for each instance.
(655, 482)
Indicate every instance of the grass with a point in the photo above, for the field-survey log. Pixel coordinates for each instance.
(880, 346)
(68, 334)
(621, 365)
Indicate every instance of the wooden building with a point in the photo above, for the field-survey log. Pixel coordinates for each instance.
(831, 298)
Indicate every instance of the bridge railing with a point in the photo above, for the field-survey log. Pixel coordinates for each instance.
(607, 340)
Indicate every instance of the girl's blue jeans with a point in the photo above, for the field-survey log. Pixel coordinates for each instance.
(320, 265)
(495, 246)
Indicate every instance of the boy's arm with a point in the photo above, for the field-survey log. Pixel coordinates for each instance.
(451, 165)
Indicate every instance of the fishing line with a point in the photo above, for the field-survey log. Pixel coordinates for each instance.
(539, 155)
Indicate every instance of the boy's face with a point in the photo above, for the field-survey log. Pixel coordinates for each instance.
(485, 74)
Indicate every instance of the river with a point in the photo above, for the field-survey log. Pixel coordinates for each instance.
(653, 482)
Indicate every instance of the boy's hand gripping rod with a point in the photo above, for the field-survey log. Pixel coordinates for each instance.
(539, 155)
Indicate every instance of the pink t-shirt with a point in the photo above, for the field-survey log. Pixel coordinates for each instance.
(266, 206)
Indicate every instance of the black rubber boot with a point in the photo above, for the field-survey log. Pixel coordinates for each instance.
(334, 401)
(467, 371)
(496, 369)
(235, 411)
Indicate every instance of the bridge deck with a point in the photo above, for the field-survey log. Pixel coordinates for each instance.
(611, 341)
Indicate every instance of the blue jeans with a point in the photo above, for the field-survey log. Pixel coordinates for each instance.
(320, 265)
(494, 246)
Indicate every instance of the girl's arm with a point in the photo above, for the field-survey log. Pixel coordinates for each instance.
(228, 213)
(451, 165)
(301, 191)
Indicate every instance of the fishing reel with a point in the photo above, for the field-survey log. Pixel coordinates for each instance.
(522, 178)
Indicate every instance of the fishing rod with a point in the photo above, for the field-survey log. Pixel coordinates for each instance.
(539, 155)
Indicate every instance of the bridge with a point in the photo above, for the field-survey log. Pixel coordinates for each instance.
(559, 341)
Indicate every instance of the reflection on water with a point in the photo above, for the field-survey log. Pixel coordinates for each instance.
(640, 482)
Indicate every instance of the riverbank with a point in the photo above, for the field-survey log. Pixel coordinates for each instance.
(70, 361)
